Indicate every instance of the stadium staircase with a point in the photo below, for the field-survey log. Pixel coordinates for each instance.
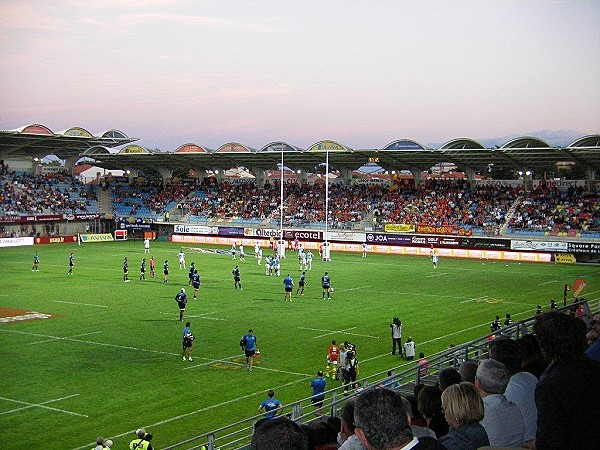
(509, 216)
(104, 201)
(237, 436)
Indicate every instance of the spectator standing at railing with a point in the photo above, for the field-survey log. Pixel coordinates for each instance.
(568, 391)
(318, 385)
(423, 365)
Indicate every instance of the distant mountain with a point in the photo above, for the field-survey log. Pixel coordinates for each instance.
(556, 138)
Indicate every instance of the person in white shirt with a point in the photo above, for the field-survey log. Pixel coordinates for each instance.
(409, 348)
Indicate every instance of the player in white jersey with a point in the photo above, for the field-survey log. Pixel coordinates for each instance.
(309, 258)
(242, 253)
(259, 256)
(181, 257)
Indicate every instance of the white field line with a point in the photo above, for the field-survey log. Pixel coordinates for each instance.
(104, 344)
(201, 316)
(548, 282)
(330, 332)
(228, 361)
(474, 299)
(58, 339)
(42, 405)
(439, 274)
(354, 289)
(81, 304)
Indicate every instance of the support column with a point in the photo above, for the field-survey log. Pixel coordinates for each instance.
(346, 176)
(417, 175)
(302, 177)
(70, 163)
(590, 175)
(470, 173)
(259, 175)
(165, 174)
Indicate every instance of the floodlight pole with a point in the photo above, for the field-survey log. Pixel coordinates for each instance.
(326, 197)
(281, 202)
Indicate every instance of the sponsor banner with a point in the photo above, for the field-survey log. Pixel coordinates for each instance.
(49, 218)
(583, 247)
(561, 185)
(134, 220)
(135, 226)
(382, 238)
(435, 241)
(195, 229)
(261, 232)
(539, 246)
(499, 183)
(87, 216)
(303, 235)
(487, 243)
(226, 231)
(16, 242)
(70, 239)
(371, 182)
(565, 258)
(346, 236)
(444, 229)
(104, 237)
(400, 228)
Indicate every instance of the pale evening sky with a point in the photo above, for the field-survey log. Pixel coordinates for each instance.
(362, 73)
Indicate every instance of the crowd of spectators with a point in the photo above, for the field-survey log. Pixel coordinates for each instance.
(435, 202)
(52, 193)
(548, 209)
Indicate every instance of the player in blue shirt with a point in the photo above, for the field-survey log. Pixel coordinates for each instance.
(196, 283)
(188, 338)
(36, 262)
(143, 269)
(270, 405)
(318, 387)
(326, 283)
(166, 271)
(125, 270)
(288, 282)
(301, 284)
(181, 299)
(249, 346)
(191, 273)
(71, 264)
(237, 280)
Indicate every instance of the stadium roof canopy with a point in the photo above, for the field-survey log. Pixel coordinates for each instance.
(38, 141)
(523, 153)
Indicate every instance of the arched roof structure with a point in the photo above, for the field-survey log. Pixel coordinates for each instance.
(37, 141)
(522, 153)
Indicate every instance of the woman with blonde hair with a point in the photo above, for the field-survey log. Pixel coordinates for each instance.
(463, 409)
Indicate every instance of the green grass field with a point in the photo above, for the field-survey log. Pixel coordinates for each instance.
(108, 361)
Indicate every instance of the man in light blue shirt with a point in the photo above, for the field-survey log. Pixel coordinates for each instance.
(503, 421)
